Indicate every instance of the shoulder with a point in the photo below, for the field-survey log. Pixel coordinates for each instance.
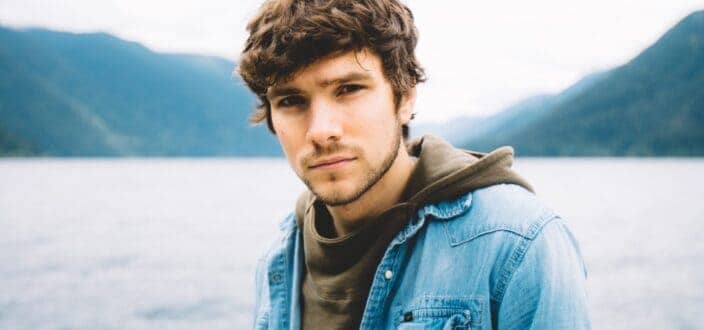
(275, 256)
(504, 207)
(278, 248)
(287, 230)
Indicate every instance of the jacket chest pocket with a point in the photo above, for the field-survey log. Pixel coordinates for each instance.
(440, 312)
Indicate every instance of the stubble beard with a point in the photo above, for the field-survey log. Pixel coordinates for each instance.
(371, 177)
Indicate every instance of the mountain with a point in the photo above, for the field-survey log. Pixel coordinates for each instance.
(485, 131)
(650, 106)
(14, 146)
(493, 131)
(66, 94)
(455, 130)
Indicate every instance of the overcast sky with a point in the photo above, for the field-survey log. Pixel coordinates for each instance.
(480, 56)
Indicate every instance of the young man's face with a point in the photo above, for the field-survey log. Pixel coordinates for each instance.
(338, 124)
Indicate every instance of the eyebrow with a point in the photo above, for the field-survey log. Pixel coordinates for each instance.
(275, 92)
(352, 76)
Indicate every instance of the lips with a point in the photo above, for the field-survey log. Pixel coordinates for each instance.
(331, 162)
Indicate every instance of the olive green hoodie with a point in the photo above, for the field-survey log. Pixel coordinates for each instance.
(338, 271)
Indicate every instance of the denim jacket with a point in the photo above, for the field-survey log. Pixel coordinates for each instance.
(495, 258)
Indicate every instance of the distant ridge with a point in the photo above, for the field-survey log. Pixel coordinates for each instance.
(651, 106)
(66, 94)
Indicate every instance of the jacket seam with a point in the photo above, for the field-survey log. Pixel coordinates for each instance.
(261, 267)
(287, 291)
(263, 270)
(516, 259)
(506, 229)
(278, 256)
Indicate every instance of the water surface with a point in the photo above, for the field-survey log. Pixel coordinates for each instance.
(172, 244)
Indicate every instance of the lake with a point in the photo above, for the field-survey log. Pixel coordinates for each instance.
(172, 243)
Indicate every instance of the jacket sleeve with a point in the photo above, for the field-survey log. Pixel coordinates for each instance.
(258, 285)
(261, 292)
(547, 287)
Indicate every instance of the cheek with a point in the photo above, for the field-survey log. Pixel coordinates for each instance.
(378, 124)
(284, 141)
(375, 118)
(290, 145)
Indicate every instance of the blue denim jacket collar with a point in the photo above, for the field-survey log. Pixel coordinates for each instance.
(515, 270)
(443, 210)
(440, 211)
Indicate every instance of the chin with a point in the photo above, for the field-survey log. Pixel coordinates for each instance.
(335, 194)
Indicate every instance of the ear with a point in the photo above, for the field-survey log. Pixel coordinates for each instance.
(408, 101)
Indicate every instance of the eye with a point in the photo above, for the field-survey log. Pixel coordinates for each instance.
(291, 101)
(348, 89)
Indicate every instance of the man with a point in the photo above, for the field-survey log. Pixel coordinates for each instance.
(391, 235)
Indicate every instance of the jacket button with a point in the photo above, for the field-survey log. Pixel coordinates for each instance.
(388, 274)
(408, 317)
(276, 278)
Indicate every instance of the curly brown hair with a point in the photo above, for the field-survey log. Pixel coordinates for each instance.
(287, 35)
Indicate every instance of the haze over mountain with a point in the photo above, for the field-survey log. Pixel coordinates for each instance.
(650, 106)
(65, 94)
(520, 115)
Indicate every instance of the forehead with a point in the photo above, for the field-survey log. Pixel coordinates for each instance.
(352, 65)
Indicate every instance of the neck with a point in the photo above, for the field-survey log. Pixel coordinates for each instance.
(381, 196)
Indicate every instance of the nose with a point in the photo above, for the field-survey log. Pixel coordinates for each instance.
(325, 125)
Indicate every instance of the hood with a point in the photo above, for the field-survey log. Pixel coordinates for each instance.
(444, 172)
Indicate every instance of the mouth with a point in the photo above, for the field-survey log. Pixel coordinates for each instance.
(331, 163)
